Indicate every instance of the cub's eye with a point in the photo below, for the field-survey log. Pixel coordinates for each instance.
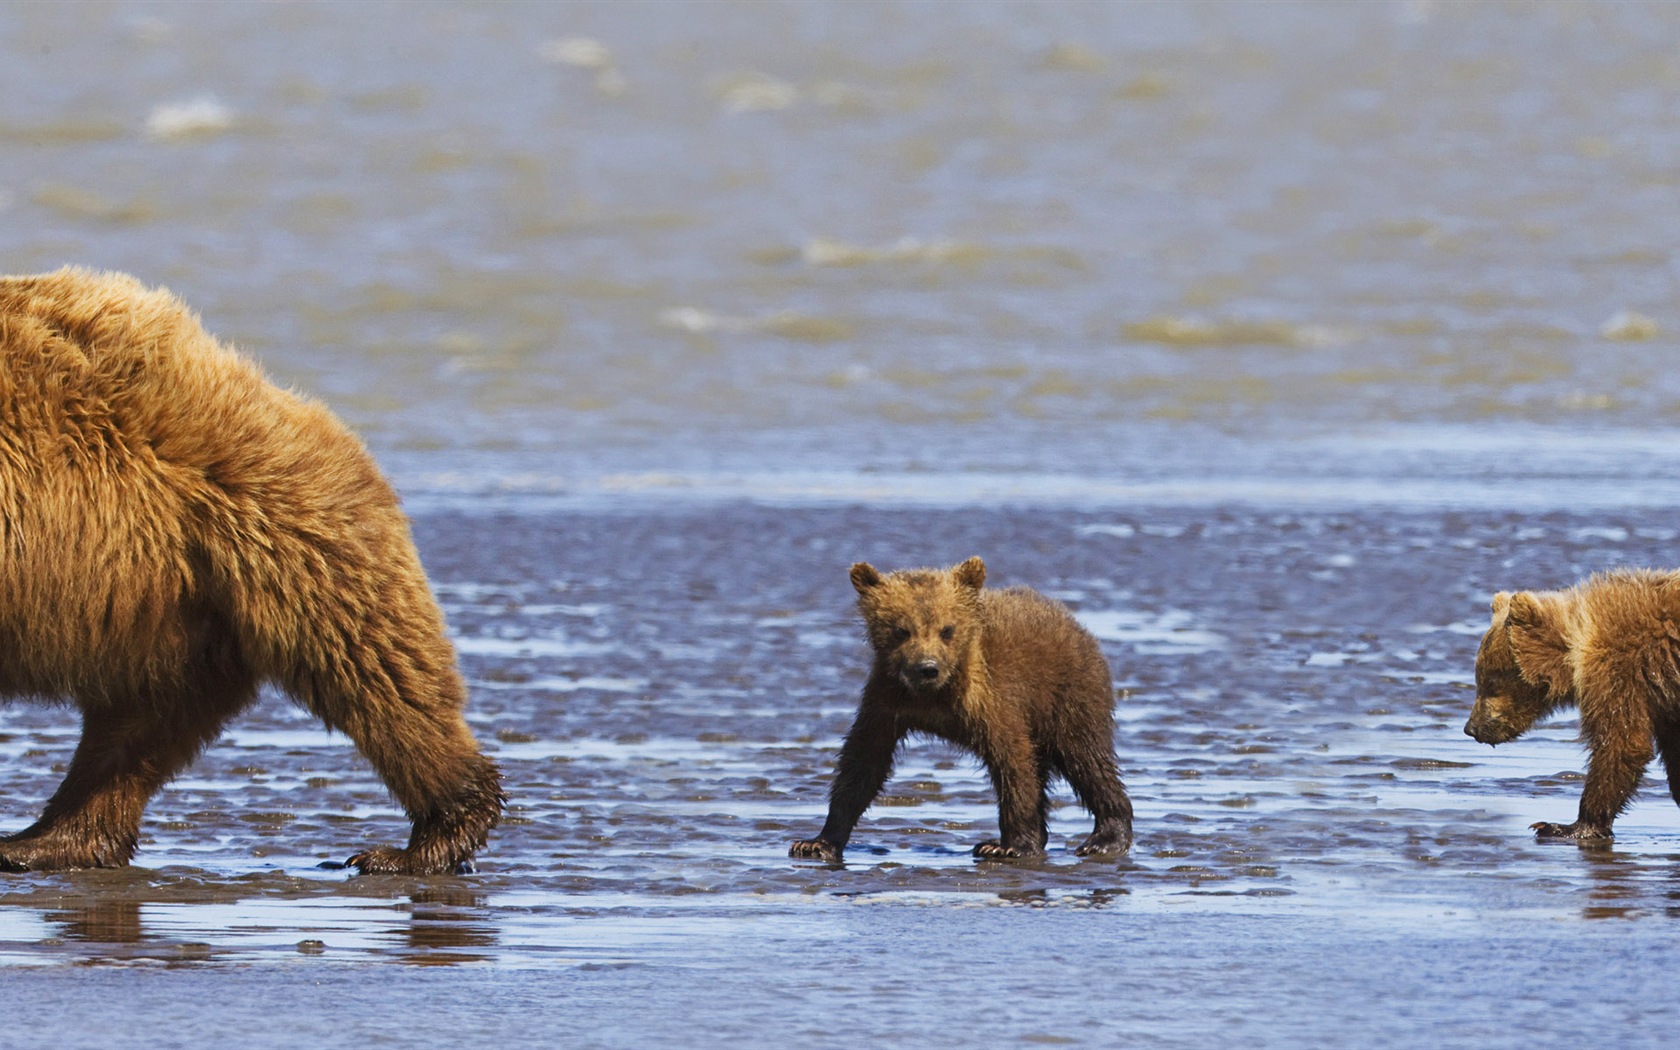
(898, 634)
(947, 632)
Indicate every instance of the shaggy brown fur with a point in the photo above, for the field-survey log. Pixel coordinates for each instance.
(175, 530)
(1610, 646)
(1010, 676)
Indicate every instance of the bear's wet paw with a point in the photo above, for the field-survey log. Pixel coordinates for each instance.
(815, 849)
(1100, 844)
(16, 859)
(992, 849)
(1576, 832)
(46, 853)
(388, 860)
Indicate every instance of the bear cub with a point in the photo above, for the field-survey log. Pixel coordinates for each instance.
(1010, 676)
(1609, 646)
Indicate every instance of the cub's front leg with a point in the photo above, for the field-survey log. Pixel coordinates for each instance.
(866, 761)
(817, 849)
(1613, 775)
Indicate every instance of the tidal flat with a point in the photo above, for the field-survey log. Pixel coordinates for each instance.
(1321, 853)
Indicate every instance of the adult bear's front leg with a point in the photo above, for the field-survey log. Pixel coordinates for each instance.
(129, 749)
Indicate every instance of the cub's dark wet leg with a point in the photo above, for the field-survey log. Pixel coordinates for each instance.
(1668, 746)
(1096, 781)
(1613, 775)
(1023, 828)
(865, 763)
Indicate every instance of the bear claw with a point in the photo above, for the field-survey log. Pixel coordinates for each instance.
(1094, 847)
(815, 849)
(992, 849)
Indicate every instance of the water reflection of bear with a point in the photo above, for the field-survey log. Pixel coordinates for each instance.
(444, 920)
(101, 921)
(440, 922)
(1623, 885)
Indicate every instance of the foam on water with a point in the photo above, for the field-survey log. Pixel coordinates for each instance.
(1172, 631)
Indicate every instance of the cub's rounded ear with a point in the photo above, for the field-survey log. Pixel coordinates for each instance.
(1521, 610)
(1538, 644)
(970, 574)
(1501, 601)
(864, 576)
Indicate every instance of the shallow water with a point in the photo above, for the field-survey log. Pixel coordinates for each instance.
(667, 711)
(1271, 338)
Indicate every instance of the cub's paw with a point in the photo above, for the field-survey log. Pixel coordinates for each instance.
(992, 849)
(815, 849)
(1576, 832)
(1102, 844)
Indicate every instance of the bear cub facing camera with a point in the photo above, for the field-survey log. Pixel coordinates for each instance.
(1609, 646)
(1010, 676)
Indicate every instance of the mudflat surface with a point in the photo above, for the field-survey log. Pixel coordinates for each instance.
(1321, 853)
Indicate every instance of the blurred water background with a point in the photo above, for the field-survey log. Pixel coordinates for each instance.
(1271, 337)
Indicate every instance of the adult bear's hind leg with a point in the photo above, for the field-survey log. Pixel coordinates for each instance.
(365, 649)
(451, 792)
(399, 698)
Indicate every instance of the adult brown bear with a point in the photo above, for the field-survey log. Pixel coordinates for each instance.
(176, 530)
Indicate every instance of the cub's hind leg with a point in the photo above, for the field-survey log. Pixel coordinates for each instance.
(1094, 777)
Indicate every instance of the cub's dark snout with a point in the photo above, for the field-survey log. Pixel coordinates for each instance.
(1488, 727)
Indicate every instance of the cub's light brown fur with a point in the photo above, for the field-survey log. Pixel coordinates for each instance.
(1009, 675)
(175, 530)
(1610, 646)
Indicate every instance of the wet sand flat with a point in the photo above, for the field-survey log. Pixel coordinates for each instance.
(666, 690)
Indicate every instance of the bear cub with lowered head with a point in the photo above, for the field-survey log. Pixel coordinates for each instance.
(1609, 646)
(175, 530)
(1009, 675)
